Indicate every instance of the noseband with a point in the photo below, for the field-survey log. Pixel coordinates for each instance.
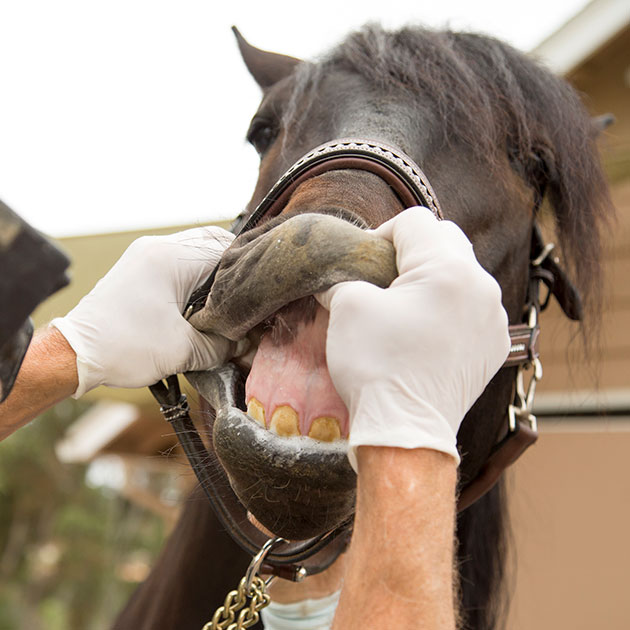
(400, 172)
(294, 561)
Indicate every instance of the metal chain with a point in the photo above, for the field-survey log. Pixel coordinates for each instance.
(248, 599)
(245, 603)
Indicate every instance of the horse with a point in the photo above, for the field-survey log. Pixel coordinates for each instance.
(504, 144)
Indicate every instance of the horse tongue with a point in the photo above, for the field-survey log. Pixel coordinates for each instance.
(289, 387)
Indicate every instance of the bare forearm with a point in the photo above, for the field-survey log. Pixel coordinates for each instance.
(48, 375)
(400, 571)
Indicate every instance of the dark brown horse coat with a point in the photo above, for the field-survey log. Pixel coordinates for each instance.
(494, 132)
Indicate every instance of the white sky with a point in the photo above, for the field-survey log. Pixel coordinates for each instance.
(131, 114)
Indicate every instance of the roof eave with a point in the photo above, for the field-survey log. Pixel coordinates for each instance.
(586, 32)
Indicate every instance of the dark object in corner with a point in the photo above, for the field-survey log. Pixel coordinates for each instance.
(31, 269)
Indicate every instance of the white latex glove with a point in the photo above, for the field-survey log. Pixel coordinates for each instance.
(129, 330)
(409, 361)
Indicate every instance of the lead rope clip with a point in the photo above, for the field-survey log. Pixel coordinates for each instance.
(523, 404)
(248, 599)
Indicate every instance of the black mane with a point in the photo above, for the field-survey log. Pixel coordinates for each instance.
(499, 102)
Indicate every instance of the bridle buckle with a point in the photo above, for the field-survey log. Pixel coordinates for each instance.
(521, 408)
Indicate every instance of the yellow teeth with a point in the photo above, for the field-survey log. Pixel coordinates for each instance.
(256, 411)
(284, 422)
(325, 429)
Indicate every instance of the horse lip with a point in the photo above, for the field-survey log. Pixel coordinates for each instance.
(262, 272)
(296, 450)
(296, 487)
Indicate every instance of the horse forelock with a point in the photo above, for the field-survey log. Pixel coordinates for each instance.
(500, 105)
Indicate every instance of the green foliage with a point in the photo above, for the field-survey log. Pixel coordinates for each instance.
(62, 543)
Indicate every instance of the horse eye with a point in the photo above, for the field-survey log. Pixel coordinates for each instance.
(261, 135)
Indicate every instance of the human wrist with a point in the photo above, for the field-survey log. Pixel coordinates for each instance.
(47, 376)
(392, 481)
(52, 343)
(406, 510)
(87, 376)
(381, 467)
(387, 415)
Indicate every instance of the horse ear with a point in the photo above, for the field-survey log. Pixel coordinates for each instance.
(601, 123)
(267, 68)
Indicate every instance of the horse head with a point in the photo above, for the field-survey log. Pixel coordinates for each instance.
(476, 117)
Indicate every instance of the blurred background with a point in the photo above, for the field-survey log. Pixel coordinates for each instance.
(120, 119)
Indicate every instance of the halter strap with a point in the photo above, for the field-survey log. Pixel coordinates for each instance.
(399, 171)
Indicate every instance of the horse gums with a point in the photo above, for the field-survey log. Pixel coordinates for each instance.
(289, 389)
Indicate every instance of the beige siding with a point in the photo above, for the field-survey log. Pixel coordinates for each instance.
(570, 505)
(570, 498)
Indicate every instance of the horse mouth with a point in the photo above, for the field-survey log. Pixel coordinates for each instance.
(286, 457)
(289, 390)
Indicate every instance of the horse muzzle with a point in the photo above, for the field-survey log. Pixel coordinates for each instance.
(297, 487)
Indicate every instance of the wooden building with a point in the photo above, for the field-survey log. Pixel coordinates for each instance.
(570, 494)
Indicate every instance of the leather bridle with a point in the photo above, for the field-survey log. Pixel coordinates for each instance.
(296, 560)
(400, 172)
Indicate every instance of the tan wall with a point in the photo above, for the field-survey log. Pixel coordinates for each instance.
(570, 493)
(604, 80)
(570, 506)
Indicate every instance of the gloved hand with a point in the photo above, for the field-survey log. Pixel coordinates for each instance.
(129, 330)
(409, 361)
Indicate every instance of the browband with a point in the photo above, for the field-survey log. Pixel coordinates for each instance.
(400, 172)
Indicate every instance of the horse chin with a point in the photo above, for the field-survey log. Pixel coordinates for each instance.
(295, 487)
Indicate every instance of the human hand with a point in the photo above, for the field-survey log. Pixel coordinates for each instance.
(129, 330)
(409, 361)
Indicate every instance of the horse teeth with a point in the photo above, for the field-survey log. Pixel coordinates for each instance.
(256, 411)
(325, 429)
(284, 422)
